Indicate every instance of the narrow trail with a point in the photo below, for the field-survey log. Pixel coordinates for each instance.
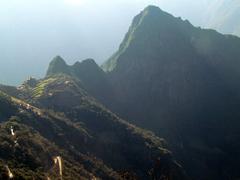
(12, 131)
(94, 178)
(27, 106)
(10, 174)
(14, 136)
(58, 161)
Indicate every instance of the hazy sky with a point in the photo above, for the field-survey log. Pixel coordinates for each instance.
(34, 31)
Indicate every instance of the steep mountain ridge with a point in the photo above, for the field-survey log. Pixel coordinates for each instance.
(182, 83)
(171, 49)
(92, 77)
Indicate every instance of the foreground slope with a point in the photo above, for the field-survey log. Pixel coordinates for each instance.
(105, 146)
(31, 139)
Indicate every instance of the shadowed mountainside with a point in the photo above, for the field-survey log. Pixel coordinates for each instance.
(182, 83)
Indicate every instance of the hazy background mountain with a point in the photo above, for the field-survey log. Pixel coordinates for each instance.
(35, 31)
(222, 15)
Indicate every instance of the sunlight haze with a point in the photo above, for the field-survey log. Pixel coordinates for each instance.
(33, 32)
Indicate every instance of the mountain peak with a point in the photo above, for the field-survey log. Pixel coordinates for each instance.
(58, 59)
(89, 61)
(85, 62)
(152, 8)
(57, 65)
(78, 69)
(155, 12)
(86, 68)
(147, 28)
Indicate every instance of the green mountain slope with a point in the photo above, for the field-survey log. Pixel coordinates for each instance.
(91, 140)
